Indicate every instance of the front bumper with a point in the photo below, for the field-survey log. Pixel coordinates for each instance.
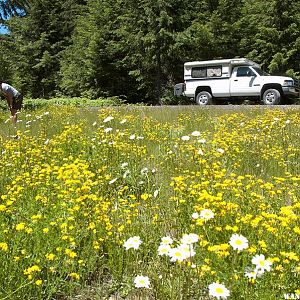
(290, 91)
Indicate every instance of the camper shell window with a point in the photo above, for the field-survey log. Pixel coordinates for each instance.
(204, 72)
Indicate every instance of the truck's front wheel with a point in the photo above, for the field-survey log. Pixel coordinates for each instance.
(204, 98)
(271, 97)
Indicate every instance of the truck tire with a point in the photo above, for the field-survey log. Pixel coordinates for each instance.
(271, 97)
(204, 98)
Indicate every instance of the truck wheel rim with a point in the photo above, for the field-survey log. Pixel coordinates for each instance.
(270, 97)
(203, 99)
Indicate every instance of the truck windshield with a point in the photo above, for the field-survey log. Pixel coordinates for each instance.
(261, 72)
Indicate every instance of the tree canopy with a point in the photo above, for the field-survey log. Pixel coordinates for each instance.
(12, 7)
(136, 49)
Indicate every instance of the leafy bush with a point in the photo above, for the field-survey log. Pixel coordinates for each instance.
(76, 101)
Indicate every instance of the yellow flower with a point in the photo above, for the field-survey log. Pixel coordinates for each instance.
(205, 268)
(203, 243)
(39, 282)
(29, 271)
(70, 253)
(252, 249)
(20, 226)
(262, 244)
(92, 225)
(290, 255)
(35, 218)
(29, 230)
(121, 228)
(3, 246)
(74, 276)
(279, 268)
(81, 262)
(145, 196)
(50, 256)
(297, 230)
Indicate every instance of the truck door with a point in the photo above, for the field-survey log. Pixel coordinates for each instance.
(244, 82)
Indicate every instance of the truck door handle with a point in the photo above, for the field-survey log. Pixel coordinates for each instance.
(235, 79)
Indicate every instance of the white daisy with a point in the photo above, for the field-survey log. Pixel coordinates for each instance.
(185, 138)
(187, 249)
(200, 152)
(206, 214)
(133, 242)
(124, 165)
(106, 130)
(177, 254)
(261, 263)
(238, 242)
(141, 282)
(163, 249)
(252, 274)
(190, 238)
(166, 240)
(144, 171)
(196, 133)
(218, 290)
(113, 181)
(195, 216)
(108, 119)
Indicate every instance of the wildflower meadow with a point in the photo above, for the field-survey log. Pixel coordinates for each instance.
(150, 203)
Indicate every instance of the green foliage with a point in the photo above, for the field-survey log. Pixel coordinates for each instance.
(91, 65)
(82, 102)
(12, 7)
(270, 33)
(5, 71)
(32, 104)
(37, 40)
(136, 49)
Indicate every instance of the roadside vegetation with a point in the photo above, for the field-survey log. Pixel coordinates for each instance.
(150, 203)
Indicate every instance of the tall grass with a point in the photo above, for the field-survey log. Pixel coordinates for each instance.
(78, 183)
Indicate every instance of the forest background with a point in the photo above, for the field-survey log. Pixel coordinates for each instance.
(135, 49)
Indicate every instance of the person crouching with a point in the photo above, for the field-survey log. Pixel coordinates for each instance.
(14, 99)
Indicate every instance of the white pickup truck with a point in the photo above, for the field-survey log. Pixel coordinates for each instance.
(206, 81)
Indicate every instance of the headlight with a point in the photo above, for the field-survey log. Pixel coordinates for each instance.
(288, 83)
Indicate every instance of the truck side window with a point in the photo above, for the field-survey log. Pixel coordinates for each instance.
(199, 72)
(214, 72)
(204, 72)
(244, 72)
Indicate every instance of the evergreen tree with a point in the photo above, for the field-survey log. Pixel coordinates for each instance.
(149, 45)
(5, 70)
(12, 7)
(270, 33)
(93, 64)
(39, 37)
